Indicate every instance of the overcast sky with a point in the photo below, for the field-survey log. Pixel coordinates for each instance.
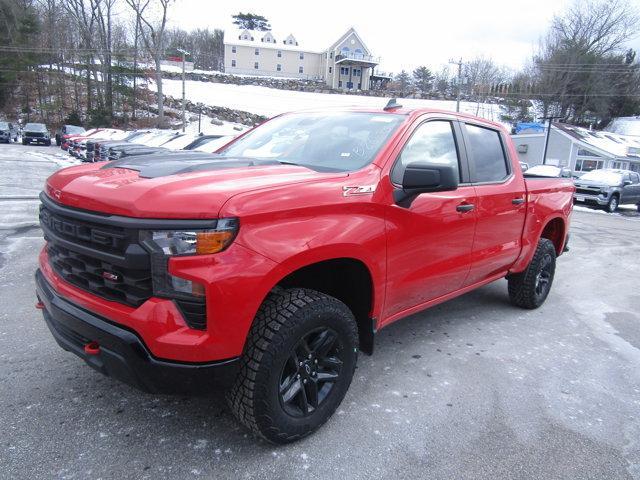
(404, 34)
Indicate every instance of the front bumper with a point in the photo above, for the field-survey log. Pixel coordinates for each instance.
(122, 354)
(584, 198)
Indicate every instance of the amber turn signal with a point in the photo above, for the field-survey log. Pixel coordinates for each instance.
(212, 242)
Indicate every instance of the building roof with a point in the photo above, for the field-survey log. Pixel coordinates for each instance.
(613, 144)
(232, 37)
(346, 35)
(625, 126)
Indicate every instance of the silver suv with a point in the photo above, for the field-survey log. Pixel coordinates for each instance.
(608, 188)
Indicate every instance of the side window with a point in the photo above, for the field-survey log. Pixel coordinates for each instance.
(487, 154)
(431, 142)
(635, 178)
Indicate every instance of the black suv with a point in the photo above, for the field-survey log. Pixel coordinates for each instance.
(36, 133)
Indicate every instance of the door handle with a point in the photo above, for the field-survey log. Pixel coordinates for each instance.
(465, 207)
(517, 201)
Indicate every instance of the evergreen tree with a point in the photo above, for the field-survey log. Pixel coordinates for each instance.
(423, 79)
(251, 21)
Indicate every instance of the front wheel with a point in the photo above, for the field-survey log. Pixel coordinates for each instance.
(612, 206)
(298, 363)
(529, 289)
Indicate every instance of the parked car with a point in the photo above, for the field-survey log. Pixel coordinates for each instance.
(68, 139)
(152, 144)
(269, 265)
(67, 130)
(8, 132)
(608, 188)
(101, 147)
(36, 133)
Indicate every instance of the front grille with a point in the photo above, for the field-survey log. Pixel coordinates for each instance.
(34, 134)
(113, 282)
(101, 259)
(588, 191)
(103, 256)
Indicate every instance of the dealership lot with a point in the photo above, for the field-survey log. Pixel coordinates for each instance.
(474, 388)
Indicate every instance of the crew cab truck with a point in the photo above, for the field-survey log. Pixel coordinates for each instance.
(266, 268)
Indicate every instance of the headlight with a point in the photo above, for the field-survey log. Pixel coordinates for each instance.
(164, 244)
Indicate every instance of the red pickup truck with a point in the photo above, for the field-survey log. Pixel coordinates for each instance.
(268, 266)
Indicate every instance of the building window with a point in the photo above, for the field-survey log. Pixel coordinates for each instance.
(233, 49)
(279, 67)
(359, 86)
(301, 55)
(331, 55)
(344, 70)
(358, 53)
(330, 69)
(233, 63)
(356, 72)
(300, 70)
(257, 51)
(256, 66)
(279, 53)
(340, 84)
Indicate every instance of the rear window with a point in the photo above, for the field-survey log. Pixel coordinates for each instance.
(487, 153)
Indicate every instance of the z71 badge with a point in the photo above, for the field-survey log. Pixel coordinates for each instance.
(361, 190)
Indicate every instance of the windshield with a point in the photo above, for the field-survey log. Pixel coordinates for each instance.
(212, 144)
(74, 129)
(160, 139)
(35, 127)
(321, 141)
(180, 142)
(608, 177)
(4, 125)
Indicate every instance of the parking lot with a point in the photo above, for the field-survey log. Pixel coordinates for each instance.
(473, 388)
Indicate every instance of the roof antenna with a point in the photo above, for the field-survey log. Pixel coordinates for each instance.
(392, 104)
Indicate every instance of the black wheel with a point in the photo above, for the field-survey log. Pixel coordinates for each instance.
(24, 142)
(529, 289)
(638, 207)
(48, 143)
(612, 206)
(297, 366)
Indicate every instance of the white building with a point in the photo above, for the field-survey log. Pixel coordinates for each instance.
(580, 149)
(346, 64)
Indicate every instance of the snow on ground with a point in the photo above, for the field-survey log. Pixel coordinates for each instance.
(270, 101)
(622, 209)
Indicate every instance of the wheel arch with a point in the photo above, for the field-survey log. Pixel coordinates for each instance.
(349, 278)
(555, 230)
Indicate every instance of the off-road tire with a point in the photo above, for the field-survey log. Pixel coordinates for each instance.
(24, 142)
(285, 317)
(523, 285)
(613, 203)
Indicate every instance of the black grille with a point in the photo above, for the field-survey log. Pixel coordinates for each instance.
(34, 134)
(102, 255)
(588, 191)
(113, 282)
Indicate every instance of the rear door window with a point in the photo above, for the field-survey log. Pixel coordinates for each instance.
(489, 162)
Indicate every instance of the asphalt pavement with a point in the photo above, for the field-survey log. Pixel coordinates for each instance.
(473, 388)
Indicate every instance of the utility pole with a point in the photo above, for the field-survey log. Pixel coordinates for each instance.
(459, 82)
(546, 139)
(184, 54)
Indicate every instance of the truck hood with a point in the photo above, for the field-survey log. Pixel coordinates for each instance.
(151, 187)
(594, 183)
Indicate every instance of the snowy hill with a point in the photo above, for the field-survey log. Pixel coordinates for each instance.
(269, 101)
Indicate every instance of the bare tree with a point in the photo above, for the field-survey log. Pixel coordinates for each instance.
(153, 22)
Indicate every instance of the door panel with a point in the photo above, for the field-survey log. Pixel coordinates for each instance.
(501, 203)
(498, 238)
(428, 248)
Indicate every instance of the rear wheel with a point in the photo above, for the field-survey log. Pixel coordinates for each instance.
(297, 366)
(612, 206)
(24, 142)
(529, 289)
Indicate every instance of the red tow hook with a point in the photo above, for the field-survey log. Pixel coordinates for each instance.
(40, 306)
(92, 348)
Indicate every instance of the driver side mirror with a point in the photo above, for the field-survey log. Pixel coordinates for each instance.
(422, 177)
(626, 183)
